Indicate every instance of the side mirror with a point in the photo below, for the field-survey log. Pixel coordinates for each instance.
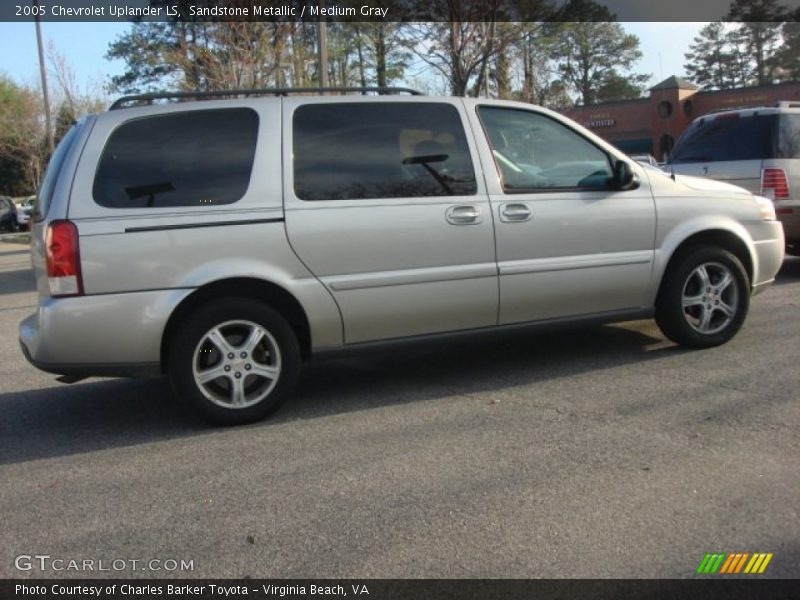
(623, 176)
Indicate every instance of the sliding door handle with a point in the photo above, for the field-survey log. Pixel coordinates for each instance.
(466, 214)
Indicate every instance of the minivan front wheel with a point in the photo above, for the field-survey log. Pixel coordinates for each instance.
(234, 361)
(704, 298)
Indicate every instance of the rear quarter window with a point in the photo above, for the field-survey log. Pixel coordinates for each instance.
(789, 136)
(193, 158)
(727, 137)
(45, 195)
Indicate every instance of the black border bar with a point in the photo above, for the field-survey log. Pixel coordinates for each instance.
(403, 589)
(381, 10)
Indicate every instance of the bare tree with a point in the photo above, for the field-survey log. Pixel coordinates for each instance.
(462, 45)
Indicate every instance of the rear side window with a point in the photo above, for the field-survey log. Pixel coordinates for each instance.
(45, 195)
(353, 151)
(727, 137)
(195, 158)
(789, 136)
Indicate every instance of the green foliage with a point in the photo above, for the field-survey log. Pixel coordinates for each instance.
(214, 56)
(22, 147)
(618, 87)
(592, 55)
(758, 35)
(758, 45)
(65, 118)
(787, 58)
(711, 60)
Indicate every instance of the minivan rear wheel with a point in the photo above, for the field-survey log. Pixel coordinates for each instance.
(234, 361)
(704, 298)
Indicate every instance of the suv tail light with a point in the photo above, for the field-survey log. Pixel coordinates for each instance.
(774, 184)
(63, 259)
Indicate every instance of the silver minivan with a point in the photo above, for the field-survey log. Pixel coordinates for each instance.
(224, 242)
(755, 148)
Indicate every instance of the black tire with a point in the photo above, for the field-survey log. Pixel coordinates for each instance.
(214, 400)
(725, 308)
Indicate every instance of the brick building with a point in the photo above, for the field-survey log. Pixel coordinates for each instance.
(652, 125)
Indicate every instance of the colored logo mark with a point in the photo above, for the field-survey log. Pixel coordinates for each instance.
(728, 563)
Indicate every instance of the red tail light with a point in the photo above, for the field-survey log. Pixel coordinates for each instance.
(63, 259)
(774, 184)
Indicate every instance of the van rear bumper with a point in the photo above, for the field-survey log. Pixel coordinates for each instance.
(77, 336)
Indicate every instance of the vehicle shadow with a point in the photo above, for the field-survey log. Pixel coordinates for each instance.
(17, 282)
(110, 413)
(790, 271)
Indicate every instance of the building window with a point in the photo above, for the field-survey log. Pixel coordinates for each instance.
(664, 109)
(688, 109)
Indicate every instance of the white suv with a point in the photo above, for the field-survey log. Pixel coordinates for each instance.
(226, 241)
(756, 148)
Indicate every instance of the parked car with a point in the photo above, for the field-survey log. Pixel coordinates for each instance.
(224, 242)
(8, 214)
(756, 148)
(24, 212)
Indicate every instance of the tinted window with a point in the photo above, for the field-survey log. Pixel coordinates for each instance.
(727, 137)
(196, 158)
(535, 152)
(48, 186)
(789, 137)
(381, 150)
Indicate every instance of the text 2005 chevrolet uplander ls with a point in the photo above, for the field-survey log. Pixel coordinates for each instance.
(223, 242)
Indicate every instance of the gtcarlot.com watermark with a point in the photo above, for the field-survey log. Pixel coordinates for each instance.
(57, 564)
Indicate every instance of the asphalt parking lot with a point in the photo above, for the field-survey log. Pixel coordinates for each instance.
(605, 452)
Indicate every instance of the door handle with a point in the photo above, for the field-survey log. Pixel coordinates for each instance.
(466, 214)
(514, 211)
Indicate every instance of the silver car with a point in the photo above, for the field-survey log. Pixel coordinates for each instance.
(755, 148)
(224, 242)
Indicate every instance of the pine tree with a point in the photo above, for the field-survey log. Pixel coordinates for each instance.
(592, 54)
(761, 22)
(710, 58)
(787, 58)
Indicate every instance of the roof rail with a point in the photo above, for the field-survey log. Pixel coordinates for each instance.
(150, 98)
(736, 108)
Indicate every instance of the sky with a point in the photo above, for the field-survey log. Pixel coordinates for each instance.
(84, 45)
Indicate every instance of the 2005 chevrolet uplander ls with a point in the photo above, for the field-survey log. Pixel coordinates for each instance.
(225, 241)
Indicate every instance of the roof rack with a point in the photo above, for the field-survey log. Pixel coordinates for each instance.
(779, 104)
(125, 101)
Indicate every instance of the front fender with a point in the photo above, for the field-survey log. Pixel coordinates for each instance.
(675, 237)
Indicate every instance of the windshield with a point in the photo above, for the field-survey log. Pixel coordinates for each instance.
(727, 137)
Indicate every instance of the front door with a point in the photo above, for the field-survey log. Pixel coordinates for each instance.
(383, 205)
(567, 243)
